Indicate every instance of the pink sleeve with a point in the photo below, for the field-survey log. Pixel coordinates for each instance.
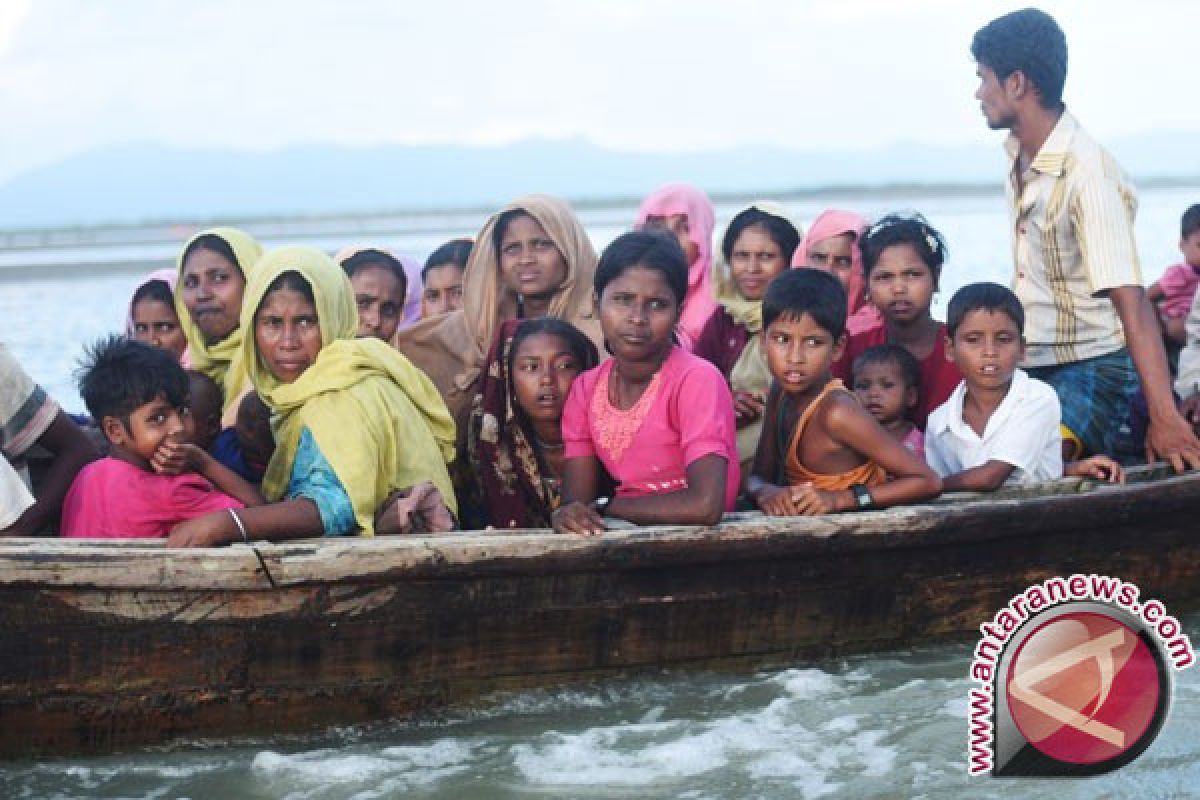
(1174, 280)
(191, 495)
(703, 409)
(577, 435)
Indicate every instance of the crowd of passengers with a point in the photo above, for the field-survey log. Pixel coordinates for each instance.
(516, 380)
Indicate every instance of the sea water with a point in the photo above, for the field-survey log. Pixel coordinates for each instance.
(886, 725)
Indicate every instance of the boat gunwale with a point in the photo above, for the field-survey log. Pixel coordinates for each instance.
(149, 565)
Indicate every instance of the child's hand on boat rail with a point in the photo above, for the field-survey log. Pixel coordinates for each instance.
(577, 518)
(1100, 467)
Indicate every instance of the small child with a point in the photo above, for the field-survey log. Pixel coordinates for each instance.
(1175, 290)
(202, 424)
(999, 426)
(820, 451)
(247, 447)
(886, 377)
(152, 479)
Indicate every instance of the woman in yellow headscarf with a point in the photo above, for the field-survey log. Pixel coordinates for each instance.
(354, 420)
(213, 270)
(756, 246)
(532, 258)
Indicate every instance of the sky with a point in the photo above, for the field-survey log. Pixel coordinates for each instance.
(632, 75)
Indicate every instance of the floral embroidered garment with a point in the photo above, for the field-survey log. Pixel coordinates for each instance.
(685, 413)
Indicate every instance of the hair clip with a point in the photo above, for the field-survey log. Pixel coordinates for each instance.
(931, 241)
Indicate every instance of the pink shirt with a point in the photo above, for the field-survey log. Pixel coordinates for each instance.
(113, 499)
(686, 413)
(1179, 287)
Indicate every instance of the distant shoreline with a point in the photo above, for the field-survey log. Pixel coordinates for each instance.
(156, 230)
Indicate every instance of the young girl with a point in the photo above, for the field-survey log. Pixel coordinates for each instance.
(380, 288)
(152, 317)
(687, 213)
(902, 261)
(832, 245)
(153, 479)
(683, 467)
(514, 443)
(757, 246)
(885, 381)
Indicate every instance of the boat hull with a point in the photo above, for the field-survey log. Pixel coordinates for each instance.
(111, 645)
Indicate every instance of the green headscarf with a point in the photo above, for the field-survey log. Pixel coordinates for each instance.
(376, 418)
(221, 361)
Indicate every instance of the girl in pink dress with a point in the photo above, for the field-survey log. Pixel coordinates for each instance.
(655, 419)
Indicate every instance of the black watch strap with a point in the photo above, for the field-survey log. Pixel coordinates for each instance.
(862, 496)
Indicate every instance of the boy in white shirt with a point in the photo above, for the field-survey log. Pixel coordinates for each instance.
(999, 426)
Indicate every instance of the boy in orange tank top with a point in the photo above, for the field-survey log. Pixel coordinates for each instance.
(820, 451)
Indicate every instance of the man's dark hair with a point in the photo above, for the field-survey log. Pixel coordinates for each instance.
(1190, 222)
(891, 355)
(117, 375)
(796, 292)
(1028, 41)
(983, 297)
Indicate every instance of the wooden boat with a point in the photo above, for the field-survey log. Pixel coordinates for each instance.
(114, 644)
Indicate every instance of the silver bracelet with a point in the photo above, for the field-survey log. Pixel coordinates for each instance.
(238, 521)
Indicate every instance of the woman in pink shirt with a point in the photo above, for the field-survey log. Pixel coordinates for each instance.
(655, 419)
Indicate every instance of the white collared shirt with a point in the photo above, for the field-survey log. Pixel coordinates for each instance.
(1072, 242)
(1023, 431)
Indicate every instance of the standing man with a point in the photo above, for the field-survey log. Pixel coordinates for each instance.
(1091, 331)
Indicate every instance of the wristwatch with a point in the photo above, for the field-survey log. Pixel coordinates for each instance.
(600, 505)
(862, 497)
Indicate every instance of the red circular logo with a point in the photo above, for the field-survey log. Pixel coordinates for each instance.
(1083, 688)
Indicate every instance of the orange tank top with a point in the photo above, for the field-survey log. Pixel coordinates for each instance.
(867, 474)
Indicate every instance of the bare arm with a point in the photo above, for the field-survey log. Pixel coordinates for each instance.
(72, 451)
(289, 519)
(1155, 293)
(581, 479)
(1168, 436)
(701, 503)
(760, 485)
(912, 479)
(984, 478)
(173, 458)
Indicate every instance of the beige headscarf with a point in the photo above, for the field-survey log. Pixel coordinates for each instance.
(750, 373)
(222, 361)
(452, 347)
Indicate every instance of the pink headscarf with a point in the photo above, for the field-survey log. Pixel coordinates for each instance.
(682, 198)
(833, 222)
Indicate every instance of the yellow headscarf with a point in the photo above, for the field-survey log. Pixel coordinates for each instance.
(747, 313)
(376, 418)
(221, 361)
(750, 373)
(452, 347)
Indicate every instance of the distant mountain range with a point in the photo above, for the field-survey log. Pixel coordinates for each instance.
(150, 182)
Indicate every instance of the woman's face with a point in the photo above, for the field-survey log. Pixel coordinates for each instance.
(157, 324)
(678, 225)
(287, 333)
(638, 313)
(753, 261)
(543, 369)
(834, 255)
(212, 292)
(380, 300)
(530, 263)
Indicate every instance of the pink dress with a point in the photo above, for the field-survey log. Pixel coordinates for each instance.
(685, 413)
(113, 499)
